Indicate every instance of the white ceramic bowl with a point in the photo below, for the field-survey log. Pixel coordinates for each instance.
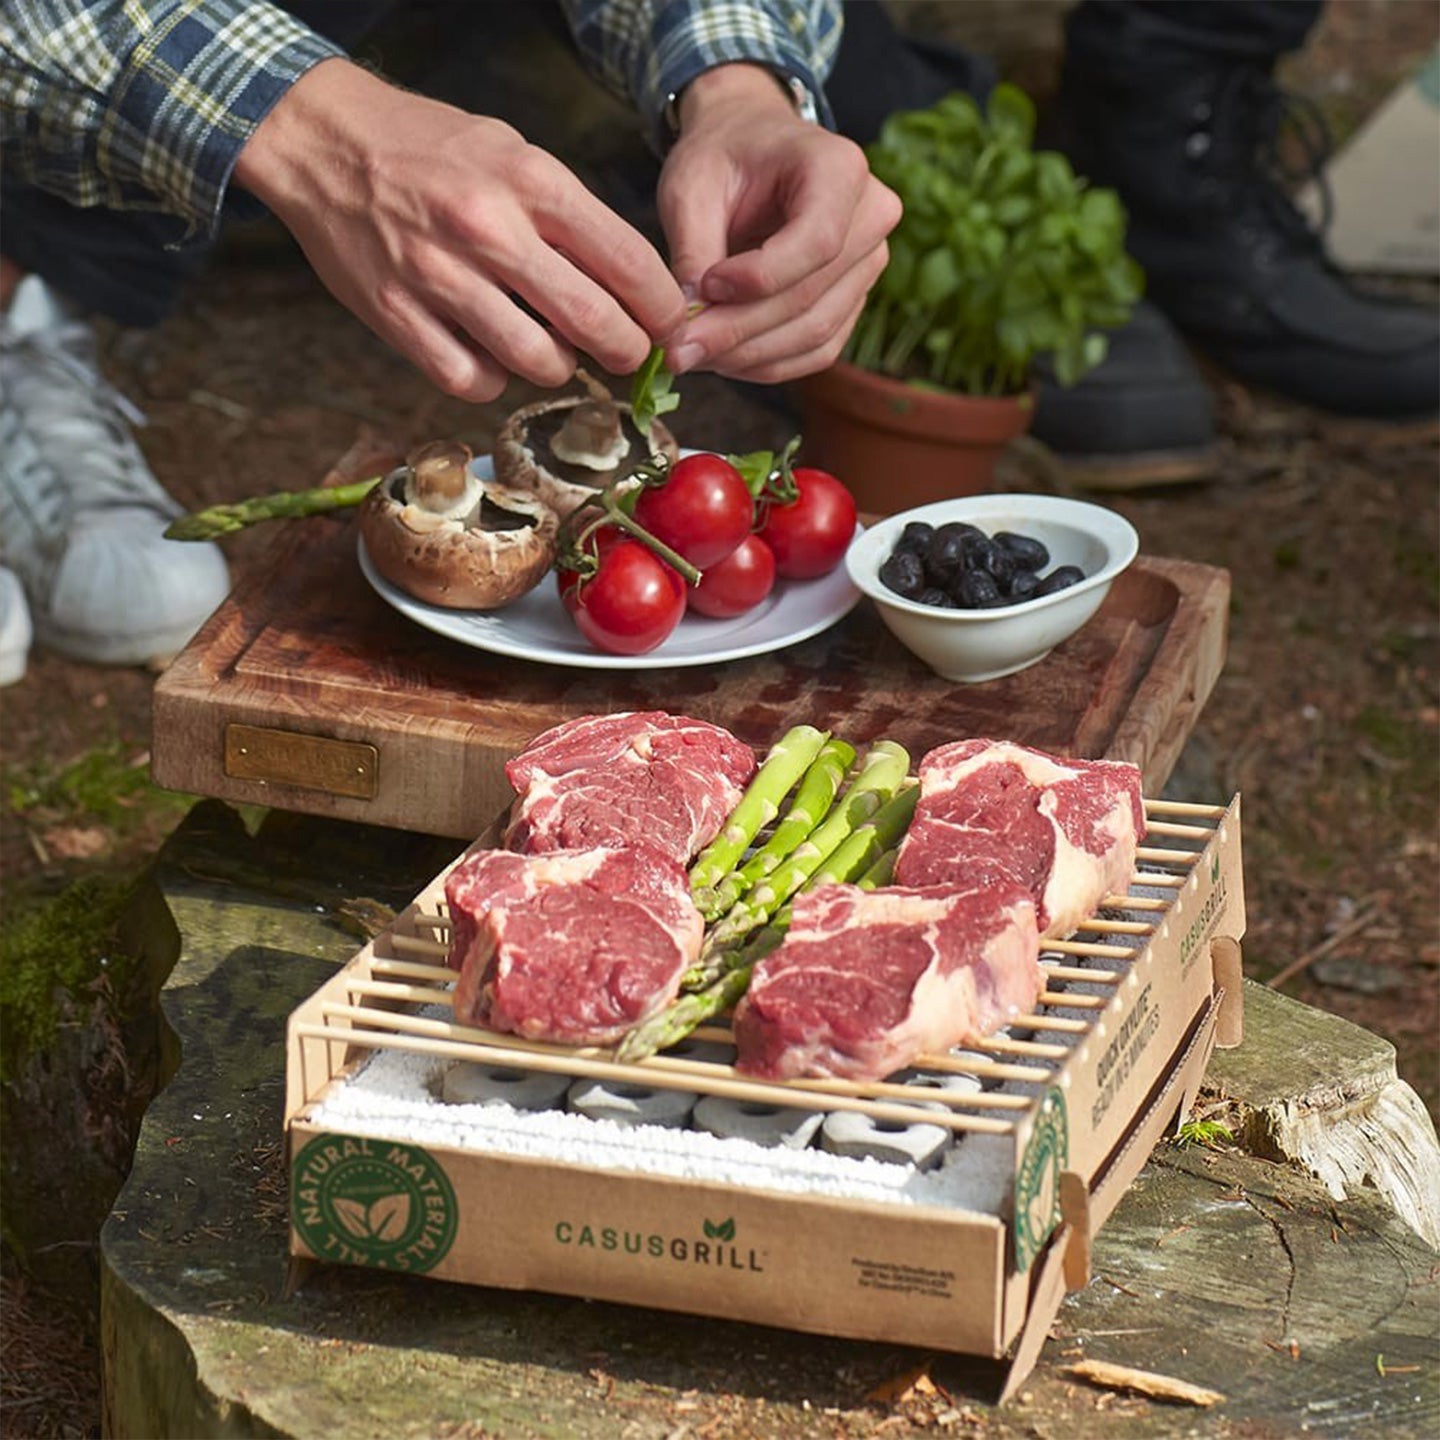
(970, 645)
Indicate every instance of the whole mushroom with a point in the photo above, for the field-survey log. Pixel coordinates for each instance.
(564, 450)
(436, 530)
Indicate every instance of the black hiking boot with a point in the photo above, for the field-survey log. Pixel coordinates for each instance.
(1145, 416)
(1227, 255)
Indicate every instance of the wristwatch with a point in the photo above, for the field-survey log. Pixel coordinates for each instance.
(798, 91)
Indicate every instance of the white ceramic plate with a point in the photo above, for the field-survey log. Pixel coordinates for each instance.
(536, 627)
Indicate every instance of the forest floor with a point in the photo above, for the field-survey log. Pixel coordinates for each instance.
(1326, 718)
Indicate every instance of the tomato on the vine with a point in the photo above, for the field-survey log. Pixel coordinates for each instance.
(632, 602)
(810, 534)
(702, 509)
(737, 583)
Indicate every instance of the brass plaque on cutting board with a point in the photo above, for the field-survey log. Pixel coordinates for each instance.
(309, 762)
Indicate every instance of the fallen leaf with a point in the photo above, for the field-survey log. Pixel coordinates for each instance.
(908, 1385)
(76, 842)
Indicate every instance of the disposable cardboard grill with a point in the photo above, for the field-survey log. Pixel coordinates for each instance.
(1134, 1003)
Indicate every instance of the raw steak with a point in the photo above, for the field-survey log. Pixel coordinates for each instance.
(614, 779)
(866, 980)
(1066, 829)
(575, 946)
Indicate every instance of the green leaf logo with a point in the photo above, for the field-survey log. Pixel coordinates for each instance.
(725, 1230)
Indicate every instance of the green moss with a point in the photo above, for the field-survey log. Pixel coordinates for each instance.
(50, 949)
(1406, 782)
(109, 785)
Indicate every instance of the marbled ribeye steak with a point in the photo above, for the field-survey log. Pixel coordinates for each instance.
(1065, 829)
(574, 946)
(866, 980)
(666, 780)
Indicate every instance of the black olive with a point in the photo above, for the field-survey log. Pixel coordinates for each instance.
(1000, 564)
(903, 573)
(915, 537)
(978, 591)
(944, 557)
(933, 595)
(1023, 584)
(1061, 579)
(1029, 553)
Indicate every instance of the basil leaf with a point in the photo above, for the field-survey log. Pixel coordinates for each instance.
(652, 391)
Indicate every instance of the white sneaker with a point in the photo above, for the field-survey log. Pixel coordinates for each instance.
(81, 516)
(15, 631)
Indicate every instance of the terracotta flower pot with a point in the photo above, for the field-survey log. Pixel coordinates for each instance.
(896, 445)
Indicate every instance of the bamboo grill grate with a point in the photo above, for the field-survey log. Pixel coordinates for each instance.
(388, 1001)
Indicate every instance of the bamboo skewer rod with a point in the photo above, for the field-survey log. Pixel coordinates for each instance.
(1166, 857)
(394, 990)
(677, 1065)
(967, 1064)
(1158, 880)
(412, 970)
(380, 989)
(1061, 1001)
(1134, 902)
(1075, 972)
(1185, 807)
(1034, 1048)
(1052, 1022)
(1088, 947)
(1178, 832)
(418, 945)
(456, 1045)
(424, 995)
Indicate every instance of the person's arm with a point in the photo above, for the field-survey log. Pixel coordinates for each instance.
(773, 221)
(649, 51)
(438, 228)
(143, 105)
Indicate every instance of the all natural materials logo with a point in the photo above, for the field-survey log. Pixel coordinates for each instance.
(371, 1202)
(718, 1248)
(1037, 1185)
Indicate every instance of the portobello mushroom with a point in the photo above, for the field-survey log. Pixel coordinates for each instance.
(437, 531)
(563, 450)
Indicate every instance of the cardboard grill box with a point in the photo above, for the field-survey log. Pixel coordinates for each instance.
(1133, 1006)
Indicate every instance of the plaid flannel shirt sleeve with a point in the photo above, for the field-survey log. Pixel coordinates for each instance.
(143, 104)
(648, 50)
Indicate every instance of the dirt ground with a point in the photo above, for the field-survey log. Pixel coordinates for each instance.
(1326, 718)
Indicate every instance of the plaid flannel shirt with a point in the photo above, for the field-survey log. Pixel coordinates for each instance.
(146, 104)
(143, 104)
(647, 50)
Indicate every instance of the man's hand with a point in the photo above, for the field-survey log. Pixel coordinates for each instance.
(776, 223)
(428, 223)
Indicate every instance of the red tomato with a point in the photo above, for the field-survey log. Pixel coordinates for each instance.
(737, 583)
(633, 601)
(703, 509)
(811, 534)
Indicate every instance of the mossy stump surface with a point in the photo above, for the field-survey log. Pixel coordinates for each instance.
(1220, 1268)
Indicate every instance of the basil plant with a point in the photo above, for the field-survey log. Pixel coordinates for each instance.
(1003, 256)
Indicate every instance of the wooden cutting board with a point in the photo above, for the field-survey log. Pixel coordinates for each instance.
(306, 691)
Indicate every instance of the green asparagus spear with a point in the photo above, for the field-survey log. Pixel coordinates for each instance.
(783, 766)
(672, 1024)
(813, 798)
(283, 505)
(689, 1011)
(879, 776)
